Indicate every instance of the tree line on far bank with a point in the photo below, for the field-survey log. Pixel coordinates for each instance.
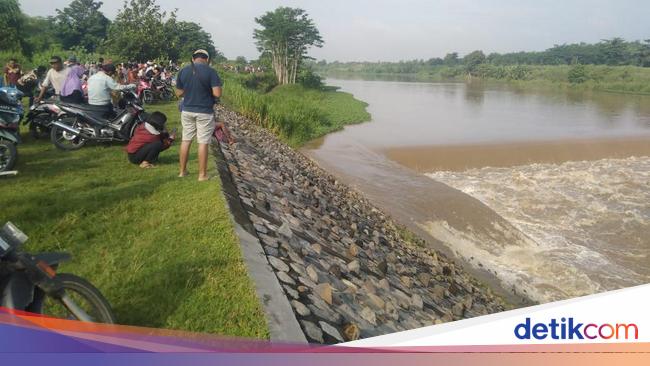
(611, 52)
(141, 31)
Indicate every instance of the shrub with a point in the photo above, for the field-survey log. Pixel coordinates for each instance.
(577, 74)
(450, 72)
(310, 80)
(264, 82)
(42, 57)
(519, 72)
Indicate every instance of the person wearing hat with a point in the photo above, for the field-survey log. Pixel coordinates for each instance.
(101, 85)
(199, 85)
(55, 77)
(149, 140)
(71, 91)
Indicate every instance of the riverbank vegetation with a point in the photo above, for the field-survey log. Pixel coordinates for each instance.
(296, 113)
(610, 65)
(289, 98)
(160, 248)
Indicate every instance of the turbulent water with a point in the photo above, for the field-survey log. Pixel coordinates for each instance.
(588, 224)
(564, 208)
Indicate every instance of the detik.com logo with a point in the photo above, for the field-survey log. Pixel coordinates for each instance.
(568, 328)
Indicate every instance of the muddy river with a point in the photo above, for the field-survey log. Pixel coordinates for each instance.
(543, 194)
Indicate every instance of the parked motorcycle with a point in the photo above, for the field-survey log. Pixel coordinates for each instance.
(144, 92)
(163, 90)
(150, 91)
(40, 115)
(30, 283)
(79, 123)
(11, 112)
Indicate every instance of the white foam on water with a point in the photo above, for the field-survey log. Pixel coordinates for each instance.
(588, 224)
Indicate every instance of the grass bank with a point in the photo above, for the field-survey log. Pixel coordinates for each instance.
(621, 79)
(293, 112)
(161, 249)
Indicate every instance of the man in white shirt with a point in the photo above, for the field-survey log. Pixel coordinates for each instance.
(101, 85)
(55, 77)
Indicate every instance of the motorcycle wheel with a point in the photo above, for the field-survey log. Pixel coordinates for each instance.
(37, 127)
(8, 155)
(65, 140)
(148, 97)
(84, 295)
(166, 95)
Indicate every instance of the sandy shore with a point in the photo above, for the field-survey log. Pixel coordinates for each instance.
(462, 157)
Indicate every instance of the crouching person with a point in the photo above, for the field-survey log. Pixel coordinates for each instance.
(149, 140)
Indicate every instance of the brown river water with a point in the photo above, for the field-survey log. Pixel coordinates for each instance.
(543, 194)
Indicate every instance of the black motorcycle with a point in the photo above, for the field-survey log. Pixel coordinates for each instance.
(11, 112)
(30, 283)
(40, 117)
(77, 124)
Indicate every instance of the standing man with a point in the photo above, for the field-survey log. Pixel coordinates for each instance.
(71, 90)
(132, 76)
(92, 70)
(28, 83)
(55, 77)
(12, 73)
(199, 85)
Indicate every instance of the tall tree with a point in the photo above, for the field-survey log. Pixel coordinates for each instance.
(81, 24)
(451, 59)
(186, 37)
(241, 61)
(41, 34)
(11, 27)
(286, 34)
(613, 51)
(139, 31)
(644, 54)
(472, 61)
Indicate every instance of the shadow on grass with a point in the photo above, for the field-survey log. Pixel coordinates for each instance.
(55, 164)
(157, 295)
(168, 158)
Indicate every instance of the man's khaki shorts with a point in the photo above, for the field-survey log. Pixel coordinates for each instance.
(200, 125)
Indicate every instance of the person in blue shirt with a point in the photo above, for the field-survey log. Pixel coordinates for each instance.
(199, 85)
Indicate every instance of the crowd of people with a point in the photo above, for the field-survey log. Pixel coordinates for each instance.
(67, 77)
(246, 69)
(198, 85)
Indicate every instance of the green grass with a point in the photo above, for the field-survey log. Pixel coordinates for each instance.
(160, 248)
(294, 113)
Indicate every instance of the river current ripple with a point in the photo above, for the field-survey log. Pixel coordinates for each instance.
(588, 224)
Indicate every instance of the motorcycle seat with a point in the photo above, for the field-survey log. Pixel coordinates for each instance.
(84, 107)
(97, 113)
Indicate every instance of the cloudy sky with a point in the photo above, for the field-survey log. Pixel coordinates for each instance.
(391, 30)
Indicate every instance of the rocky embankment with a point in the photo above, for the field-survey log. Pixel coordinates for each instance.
(345, 267)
